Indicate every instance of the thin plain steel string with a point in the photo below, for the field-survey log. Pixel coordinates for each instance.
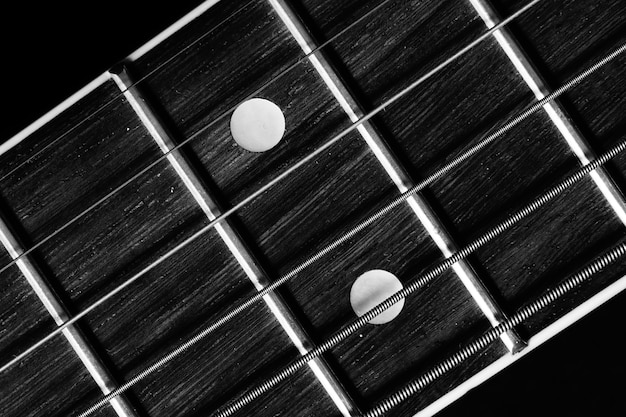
(480, 343)
(162, 157)
(419, 282)
(355, 230)
(261, 190)
(121, 93)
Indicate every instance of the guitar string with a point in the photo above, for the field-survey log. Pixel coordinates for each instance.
(514, 121)
(163, 156)
(274, 181)
(417, 283)
(529, 310)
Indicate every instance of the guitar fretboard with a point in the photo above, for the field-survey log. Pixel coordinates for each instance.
(136, 191)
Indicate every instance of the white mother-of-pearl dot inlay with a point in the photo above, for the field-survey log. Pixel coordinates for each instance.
(257, 125)
(372, 288)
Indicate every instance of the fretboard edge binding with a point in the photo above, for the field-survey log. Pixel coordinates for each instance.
(100, 80)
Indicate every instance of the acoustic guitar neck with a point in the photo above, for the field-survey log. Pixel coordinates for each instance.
(322, 208)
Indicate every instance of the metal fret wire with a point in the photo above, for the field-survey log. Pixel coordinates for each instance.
(257, 193)
(581, 173)
(420, 281)
(523, 314)
(163, 157)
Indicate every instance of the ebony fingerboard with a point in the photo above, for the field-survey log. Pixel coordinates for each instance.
(192, 80)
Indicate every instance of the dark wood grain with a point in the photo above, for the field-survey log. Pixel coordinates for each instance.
(377, 58)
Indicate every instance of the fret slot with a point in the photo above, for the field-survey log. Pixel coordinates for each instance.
(398, 174)
(555, 111)
(88, 356)
(252, 268)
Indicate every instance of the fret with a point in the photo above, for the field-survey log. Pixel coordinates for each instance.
(88, 356)
(418, 204)
(253, 269)
(555, 111)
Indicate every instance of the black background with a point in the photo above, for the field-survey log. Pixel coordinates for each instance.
(51, 49)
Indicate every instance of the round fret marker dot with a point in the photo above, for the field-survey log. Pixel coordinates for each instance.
(372, 288)
(257, 125)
